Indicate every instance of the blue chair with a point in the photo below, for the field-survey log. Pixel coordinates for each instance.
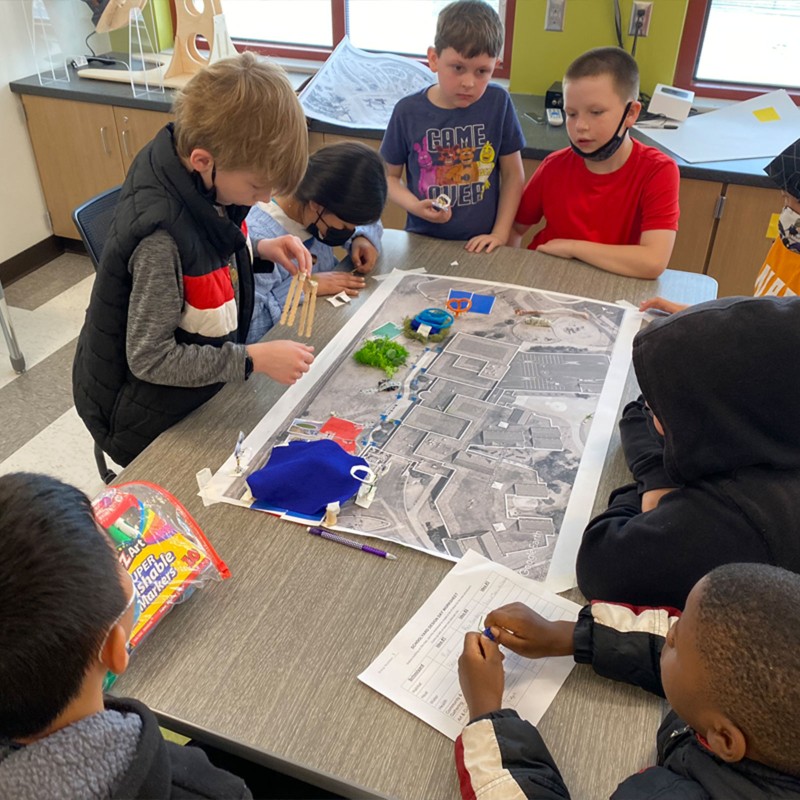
(93, 221)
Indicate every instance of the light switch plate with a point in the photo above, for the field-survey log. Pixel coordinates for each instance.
(554, 15)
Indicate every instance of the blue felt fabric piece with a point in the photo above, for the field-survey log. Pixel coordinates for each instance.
(305, 476)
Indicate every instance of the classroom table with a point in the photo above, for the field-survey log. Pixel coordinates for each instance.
(265, 664)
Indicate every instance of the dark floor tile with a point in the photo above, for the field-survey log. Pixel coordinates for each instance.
(34, 400)
(48, 281)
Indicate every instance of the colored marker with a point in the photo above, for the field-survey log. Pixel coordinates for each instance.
(334, 537)
(487, 632)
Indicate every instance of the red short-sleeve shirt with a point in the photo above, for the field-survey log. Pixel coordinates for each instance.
(642, 195)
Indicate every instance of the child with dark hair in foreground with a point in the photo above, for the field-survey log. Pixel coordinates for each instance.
(67, 608)
(727, 666)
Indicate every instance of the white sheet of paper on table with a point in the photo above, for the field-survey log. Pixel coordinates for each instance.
(760, 127)
(418, 670)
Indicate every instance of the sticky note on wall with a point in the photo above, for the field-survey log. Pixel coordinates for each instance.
(768, 114)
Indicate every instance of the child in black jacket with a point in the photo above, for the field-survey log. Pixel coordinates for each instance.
(728, 667)
(714, 448)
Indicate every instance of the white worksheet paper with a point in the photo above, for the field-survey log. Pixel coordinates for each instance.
(418, 670)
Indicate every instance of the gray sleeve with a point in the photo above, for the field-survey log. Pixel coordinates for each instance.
(154, 315)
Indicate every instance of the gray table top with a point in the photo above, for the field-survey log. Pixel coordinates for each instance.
(266, 663)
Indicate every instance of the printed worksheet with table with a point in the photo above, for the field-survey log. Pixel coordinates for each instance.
(418, 670)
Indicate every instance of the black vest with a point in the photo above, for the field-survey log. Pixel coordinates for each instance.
(124, 414)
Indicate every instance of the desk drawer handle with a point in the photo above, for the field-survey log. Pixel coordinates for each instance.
(125, 144)
(104, 140)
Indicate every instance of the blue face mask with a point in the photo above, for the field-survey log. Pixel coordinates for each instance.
(604, 152)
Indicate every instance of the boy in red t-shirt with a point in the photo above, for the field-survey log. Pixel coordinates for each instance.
(608, 200)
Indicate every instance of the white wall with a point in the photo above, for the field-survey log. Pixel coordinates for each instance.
(23, 214)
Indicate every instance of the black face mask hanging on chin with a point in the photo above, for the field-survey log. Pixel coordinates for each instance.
(209, 194)
(334, 237)
(604, 152)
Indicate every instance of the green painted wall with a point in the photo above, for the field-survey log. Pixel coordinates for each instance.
(158, 18)
(541, 57)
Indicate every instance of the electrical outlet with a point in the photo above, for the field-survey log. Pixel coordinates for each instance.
(554, 15)
(640, 15)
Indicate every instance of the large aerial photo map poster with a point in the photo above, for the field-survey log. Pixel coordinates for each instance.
(492, 439)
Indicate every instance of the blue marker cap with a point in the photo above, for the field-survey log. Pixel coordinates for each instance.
(487, 632)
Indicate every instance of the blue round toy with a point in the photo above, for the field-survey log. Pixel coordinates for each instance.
(437, 318)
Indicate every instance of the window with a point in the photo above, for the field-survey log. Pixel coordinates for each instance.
(312, 28)
(740, 48)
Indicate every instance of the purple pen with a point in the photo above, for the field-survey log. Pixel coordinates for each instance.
(334, 537)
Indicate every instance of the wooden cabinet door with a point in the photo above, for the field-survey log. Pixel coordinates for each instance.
(77, 153)
(698, 201)
(393, 216)
(530, 165)
(136, 128)
(741, 243)
(315, 141)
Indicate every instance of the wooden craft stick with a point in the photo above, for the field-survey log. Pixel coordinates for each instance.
(301, 278)
(289, 297)
(301, 325)
(312, 310)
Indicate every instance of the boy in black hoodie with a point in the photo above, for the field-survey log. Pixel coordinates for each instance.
(66, 611)
(714, 448)
(727, 666)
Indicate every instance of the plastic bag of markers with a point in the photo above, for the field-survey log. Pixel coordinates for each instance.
(161, 547)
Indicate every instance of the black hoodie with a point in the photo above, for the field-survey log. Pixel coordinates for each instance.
(723, 378)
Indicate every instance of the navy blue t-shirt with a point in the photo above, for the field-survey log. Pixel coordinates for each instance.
(454, 151)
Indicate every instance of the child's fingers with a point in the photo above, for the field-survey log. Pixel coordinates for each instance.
(491, 649)
(507, 616)
(508, 638)
(472, 645)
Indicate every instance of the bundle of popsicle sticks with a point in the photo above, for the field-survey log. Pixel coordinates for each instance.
(300, 282)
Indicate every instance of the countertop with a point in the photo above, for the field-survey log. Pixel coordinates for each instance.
(540, 138)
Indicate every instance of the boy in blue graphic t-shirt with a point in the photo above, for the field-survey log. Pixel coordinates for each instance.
(460, 138)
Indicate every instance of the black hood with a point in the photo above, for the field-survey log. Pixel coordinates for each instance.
(724, 380)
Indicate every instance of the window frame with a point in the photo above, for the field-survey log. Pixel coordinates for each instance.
(339, 26)
(689, 54)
